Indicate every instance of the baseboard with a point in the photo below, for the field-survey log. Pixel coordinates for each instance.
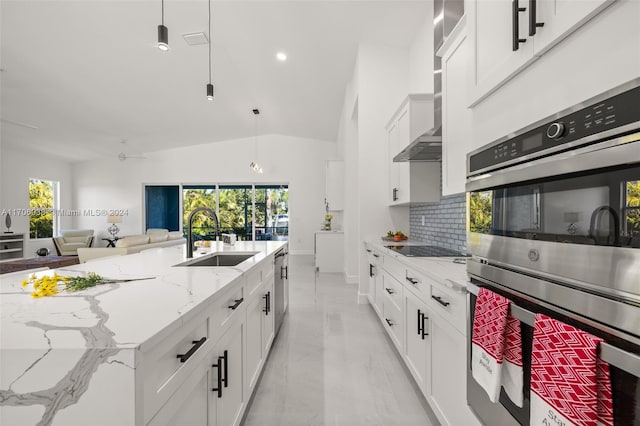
(351, 279)
(363, 299)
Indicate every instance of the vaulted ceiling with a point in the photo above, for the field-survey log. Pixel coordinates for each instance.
(78, 77)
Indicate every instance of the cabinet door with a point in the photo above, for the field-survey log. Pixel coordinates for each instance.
(561, 17)
(456, 117)
(404, 172)
(189, 404)
(448, 374)
(267, 318)
(394, 168)
(417, 350)
(491, 32)
(379, 285)
(254, 340)
(228, 407)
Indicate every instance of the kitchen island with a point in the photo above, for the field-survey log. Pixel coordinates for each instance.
(139, 352)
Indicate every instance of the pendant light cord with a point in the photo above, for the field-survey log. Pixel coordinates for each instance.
(209, 41)
(162, 3)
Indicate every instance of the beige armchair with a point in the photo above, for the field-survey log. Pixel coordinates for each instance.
(69, 241)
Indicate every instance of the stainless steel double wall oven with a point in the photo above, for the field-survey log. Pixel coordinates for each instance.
(554, 221)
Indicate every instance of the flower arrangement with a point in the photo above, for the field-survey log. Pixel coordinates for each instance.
(50, 285)
(327, 221)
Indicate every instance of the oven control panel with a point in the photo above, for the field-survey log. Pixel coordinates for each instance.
(590, 120)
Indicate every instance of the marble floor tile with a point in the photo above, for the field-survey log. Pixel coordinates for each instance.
(332, 364)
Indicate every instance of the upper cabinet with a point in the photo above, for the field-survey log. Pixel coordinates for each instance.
(334, 185)
(411, 182)
(456, 117)
(509, 35)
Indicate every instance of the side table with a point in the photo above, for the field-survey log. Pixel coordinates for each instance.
(111, 242)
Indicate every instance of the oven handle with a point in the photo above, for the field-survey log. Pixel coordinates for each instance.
(617, 357)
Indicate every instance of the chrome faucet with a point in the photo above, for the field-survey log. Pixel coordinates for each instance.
(190, 227)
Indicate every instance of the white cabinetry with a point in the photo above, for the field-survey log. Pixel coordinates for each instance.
(411, 181)
(456, 117)
(492, 32)
(417, 350)
(425, 317)
(375, 278)
(334, 185)
(227, 375)
(329, 251)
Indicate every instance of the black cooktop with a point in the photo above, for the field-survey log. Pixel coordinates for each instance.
(425, 251)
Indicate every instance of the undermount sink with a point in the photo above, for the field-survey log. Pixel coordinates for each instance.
(220, 259)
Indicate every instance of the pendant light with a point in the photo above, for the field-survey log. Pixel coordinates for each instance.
(210, 85)
(253, 165)
(163, 34)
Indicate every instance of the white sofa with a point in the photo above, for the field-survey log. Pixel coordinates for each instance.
(153, 238)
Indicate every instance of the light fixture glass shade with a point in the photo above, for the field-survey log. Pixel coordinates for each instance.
(210, 91)
(163, 38)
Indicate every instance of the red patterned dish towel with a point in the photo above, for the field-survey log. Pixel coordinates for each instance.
(488, 341)
(569, 385)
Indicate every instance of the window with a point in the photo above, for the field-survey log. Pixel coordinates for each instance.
(631, 208)
(43, 202)
(236, 211)
(192, 198)
(162, 207)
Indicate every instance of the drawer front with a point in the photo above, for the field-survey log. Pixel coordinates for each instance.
(394, 267)
(451, 305)
(227, 305)
(417, 283)
(393, 321)
(168, 364)
(258, 275)
(392, 290)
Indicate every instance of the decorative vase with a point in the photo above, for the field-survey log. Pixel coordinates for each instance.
(7, 222)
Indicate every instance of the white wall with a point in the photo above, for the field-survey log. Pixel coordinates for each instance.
(300, 163)
(604, 53)
(382, 83)
(421, 57)
(17, 167)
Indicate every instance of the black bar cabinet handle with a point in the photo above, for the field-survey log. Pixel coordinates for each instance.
(370, 270)
(368, 251)
(286, 272)
(395, 194)
(533, 24)
(236, 304)
(267, 303)
(516, 25)
(412, 281)
(389, 322)
(440, 301)
(424, 328)
(419, 322)
(376, 255)
(390, 291)
(194, 348)
(219, 367)
(226, 369)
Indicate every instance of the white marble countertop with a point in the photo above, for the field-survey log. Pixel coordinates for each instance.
(56, 349)
(442, 269)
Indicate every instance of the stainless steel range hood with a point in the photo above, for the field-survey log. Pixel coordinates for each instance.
(428, 147)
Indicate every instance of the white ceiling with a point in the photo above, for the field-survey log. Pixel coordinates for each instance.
(87, 74)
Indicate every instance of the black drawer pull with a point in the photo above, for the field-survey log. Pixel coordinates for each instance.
(533, 23)
(412, 281)
(440, 301)
(218, 365)
(370, 270)
(376, 255)
(237, 303)
(420, 322)
(194, 348)
(368, 251)
(391, 324)
(390, 291)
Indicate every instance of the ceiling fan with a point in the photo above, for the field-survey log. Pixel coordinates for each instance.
(122, 156)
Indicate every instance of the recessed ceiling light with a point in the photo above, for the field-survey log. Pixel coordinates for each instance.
(281, 56)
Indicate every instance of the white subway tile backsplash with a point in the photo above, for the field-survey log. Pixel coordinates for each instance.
(445, 222)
